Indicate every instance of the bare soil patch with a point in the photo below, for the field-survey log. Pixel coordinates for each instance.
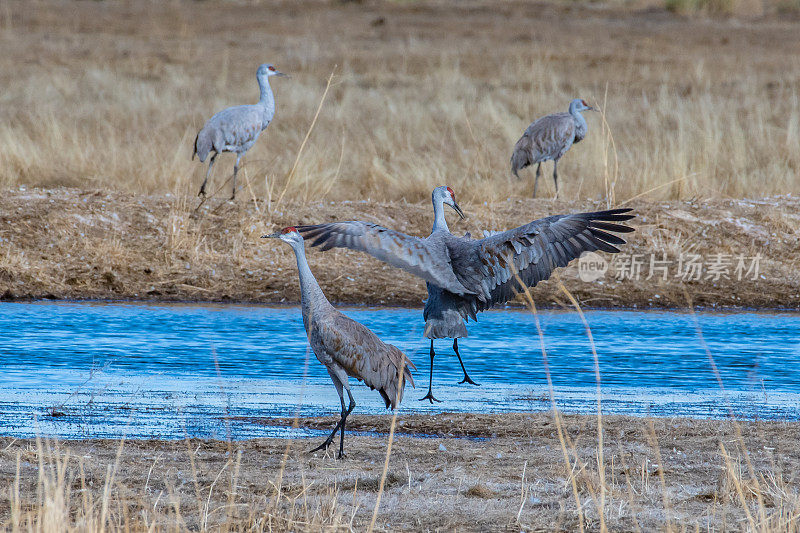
(75, 244)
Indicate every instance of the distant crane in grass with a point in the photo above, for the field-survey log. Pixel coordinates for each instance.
(464, 275)
(344, 346)
(549, 137)
(236, 128)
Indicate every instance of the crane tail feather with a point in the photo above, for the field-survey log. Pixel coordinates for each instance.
(394, 387)
(519, 160)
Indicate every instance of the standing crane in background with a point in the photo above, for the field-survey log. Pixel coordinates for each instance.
(236, 128)
(344, 346)
(549, 137)
(471, 275)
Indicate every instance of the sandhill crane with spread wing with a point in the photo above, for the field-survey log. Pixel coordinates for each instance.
(236, 129)
(344, 346)
(549, 138)
(466, 276)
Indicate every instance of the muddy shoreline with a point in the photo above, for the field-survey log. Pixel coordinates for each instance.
(70, 244)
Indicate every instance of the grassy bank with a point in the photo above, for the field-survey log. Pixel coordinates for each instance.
(66, 243)
(513, 472)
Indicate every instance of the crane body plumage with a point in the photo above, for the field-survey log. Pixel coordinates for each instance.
(441, 314)
(237, 128)
(548, 138)
(466, 276)
(345, 347)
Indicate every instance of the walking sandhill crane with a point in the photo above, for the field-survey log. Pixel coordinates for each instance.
(465, 275)
(236, 128)
(344, 346)
(549, 138)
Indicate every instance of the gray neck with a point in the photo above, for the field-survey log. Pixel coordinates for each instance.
(312, 299)
(577, 116)
(267, 99)
(439, 222)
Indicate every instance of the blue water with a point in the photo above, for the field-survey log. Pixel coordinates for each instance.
(142, 370)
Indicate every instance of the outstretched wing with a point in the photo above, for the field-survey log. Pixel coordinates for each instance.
(490, 266)
(421, 257)
(366, 357)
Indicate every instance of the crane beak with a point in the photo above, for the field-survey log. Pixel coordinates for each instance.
(458, 210)
(281, 74)
(272, 235)
(594, 109)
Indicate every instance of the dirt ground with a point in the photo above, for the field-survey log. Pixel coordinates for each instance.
(74, 244)
(461, 472)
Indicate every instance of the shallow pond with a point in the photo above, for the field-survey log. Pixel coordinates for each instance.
(80, 370)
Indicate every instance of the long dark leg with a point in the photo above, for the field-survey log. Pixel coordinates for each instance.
(466, 376)
(536, 181)
(555, 175)
(235, 171)
(208, 173)
(429, 396)
(344, 421)
(340, 423)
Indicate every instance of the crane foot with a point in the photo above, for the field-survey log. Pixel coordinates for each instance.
(323, 446)
(467, 379)
(430, 397)
(202, 193)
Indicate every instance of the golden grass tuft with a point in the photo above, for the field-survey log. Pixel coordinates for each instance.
(64, 498)
(480, 491)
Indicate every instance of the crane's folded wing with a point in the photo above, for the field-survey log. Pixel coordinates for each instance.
(238, 125)
(364, 356)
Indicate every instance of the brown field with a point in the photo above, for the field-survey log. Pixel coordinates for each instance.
(447, 472)
(110, 95)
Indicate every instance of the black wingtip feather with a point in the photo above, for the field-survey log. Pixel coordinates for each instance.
(604, 246)
(617, 228)
(611, 215)
(307, 231)
(608, 237)
(385, 398)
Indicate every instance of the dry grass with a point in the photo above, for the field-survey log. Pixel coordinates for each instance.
(510, 478)
(111, 94)
(67, 493)
(67, 243)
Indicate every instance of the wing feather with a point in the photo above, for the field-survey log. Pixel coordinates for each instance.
(420, 257)
(490, 266)
(235, 126)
